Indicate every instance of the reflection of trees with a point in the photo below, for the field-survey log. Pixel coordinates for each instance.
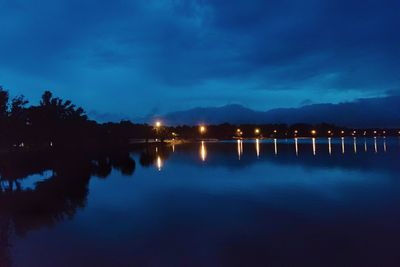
(5, 230)
(148, 156)
(124, 163)
(54, 199)
(105, 163)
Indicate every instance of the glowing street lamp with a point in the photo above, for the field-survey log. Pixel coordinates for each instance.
(257, 131)
(330, 132)
(202, 129)
(157, 128)
(239, 132)
(313, 132)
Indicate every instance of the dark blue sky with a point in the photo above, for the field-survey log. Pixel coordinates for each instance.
(146, 56)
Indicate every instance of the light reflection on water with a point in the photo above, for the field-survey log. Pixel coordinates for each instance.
(258, 148)
(314, 143)
(159, 163)
(236, 203)
(355, 145)
(203, 151)
(330, 146)
(343, 147)
(384, 144)
(239, 148)
(314, 147)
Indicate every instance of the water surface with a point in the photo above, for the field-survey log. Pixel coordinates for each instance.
(271, 202)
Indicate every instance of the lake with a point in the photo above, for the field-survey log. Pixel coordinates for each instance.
(303, 202)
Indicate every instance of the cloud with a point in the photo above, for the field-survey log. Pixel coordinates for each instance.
(141, 51)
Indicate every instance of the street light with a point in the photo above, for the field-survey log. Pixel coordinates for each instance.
(202, 129)
(239, 132)
(257, 131)
(313, 132)
(157, 128)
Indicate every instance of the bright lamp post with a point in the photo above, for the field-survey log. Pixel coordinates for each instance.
(202, 130)
(157, 127)
(239, 133)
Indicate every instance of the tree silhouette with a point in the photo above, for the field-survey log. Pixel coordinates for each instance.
(18, 104)
(4, 98)
(46, 98)
(57, 109)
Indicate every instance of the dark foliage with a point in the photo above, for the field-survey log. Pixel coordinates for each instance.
(59, 123)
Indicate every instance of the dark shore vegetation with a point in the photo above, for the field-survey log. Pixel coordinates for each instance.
(59, 124)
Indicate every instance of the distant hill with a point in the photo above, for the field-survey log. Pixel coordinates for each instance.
(368, 112)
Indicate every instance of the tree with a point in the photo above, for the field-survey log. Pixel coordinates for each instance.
(4, 98)
(58, 109)
(18, 104)
(46, 98)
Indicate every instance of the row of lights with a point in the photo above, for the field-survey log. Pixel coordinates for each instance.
(313, 132)
(257, 131)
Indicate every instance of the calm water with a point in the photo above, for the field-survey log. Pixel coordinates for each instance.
(256, 203)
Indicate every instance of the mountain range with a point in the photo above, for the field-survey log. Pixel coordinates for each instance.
(366, 112)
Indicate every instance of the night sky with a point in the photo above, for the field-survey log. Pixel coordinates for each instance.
(133, 58)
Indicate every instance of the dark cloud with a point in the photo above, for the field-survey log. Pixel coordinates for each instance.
(141, 51)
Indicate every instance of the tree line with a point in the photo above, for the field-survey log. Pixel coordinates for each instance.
(55, 122)
(52, 121)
